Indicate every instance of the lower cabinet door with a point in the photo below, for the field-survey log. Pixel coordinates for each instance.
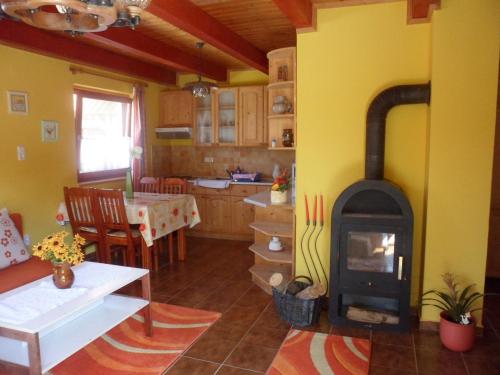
(242, 214)
(218, 214)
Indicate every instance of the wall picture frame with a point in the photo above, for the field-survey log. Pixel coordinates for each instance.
(17, 102)
(50, 131)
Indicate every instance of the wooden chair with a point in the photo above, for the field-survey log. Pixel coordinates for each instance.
(149, 185)
(110, 208)
(82, 217)
(174, 186)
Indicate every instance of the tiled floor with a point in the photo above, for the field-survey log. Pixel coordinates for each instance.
(249, 333)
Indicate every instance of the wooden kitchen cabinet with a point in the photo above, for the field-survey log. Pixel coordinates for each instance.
(222, 211)
(251, 119)
(218, 213)
(242, 214)
(282, 83)
(176, 108)
(226, 116)
(233, 116)
(203, 121)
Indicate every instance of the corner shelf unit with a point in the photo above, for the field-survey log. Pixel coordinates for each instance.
(282, 84)
(271, 220)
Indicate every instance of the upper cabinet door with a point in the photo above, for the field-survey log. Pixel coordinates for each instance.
(226, 116)
(251, 116)
(204, 128)
(176, 108)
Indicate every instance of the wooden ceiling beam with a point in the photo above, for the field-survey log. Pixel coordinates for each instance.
(299, 12)
(421, 10)
(193, 20)
(144, 47)
(20, 35)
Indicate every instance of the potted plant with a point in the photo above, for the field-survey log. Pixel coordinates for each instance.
(457, 325)
(279, 188)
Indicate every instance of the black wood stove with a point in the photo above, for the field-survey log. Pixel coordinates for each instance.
(372, 234)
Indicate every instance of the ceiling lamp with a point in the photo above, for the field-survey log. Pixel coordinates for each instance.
(200, 88)
(76, 16)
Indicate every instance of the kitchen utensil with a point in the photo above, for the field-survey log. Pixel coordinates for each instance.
(281, 105)
(288, 137)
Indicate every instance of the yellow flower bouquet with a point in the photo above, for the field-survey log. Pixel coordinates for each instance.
(55, 249)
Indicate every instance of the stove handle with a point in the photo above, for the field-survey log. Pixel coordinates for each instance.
(400, 268)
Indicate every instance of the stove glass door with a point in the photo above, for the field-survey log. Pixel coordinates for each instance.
(370, 251)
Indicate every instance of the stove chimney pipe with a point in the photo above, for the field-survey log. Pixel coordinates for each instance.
(375, 122)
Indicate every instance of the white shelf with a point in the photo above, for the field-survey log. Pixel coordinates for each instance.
(282, 257)
(62, 342)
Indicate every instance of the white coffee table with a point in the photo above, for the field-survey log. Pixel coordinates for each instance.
(47, 339)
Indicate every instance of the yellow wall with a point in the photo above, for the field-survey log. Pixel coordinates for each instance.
(355, 53)
(34, 187)
(441, 156)
(465, 42)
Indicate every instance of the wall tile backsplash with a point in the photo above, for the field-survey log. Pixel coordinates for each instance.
(190, 161)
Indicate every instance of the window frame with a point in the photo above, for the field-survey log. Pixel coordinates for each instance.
(109, 174)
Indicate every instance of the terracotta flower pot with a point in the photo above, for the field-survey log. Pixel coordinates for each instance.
(457, 337)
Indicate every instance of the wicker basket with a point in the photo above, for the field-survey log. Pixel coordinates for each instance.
(298, 312)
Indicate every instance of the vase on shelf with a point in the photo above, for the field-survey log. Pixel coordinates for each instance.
(129, 190)
(63, 275)
(287, 137)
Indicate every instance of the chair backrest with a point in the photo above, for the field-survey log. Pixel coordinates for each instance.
(110, 207)
(80, 208)
(18, 222)
(173, 186)
(149, 185)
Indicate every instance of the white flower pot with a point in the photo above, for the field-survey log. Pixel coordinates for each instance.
(278, 197)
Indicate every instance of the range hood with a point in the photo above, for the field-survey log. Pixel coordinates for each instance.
(180, 132)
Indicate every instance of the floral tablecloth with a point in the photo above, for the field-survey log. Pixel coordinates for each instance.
(161, 214)
(156, 214)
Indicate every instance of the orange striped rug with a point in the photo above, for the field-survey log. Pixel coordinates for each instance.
(313, 353)
(127, 350)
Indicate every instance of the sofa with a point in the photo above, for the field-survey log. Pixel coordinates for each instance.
(22, 273)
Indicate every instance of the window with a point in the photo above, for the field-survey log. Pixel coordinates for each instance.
(102, 135)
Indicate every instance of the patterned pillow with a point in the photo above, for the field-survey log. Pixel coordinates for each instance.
(12, 249)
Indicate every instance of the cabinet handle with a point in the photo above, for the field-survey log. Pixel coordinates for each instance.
(400, 268)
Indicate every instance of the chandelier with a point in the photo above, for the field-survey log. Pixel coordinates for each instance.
(76, 16)
(200, 88)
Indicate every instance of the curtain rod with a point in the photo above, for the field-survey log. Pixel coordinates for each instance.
(77, 69)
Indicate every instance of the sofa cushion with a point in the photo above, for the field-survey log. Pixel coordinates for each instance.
(12, 249)
(23, 273)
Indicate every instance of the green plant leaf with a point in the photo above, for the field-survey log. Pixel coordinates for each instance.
(473, 298)
(444, 306)
(464, 293)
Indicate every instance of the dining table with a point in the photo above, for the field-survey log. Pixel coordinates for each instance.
(156, 215)
(159, 215)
